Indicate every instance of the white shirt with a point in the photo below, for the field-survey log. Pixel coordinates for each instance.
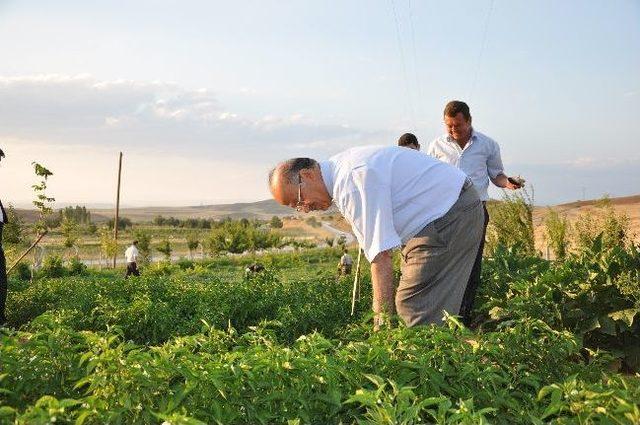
(388, 194)
(131, 254)
(346, 259)
(480, 158)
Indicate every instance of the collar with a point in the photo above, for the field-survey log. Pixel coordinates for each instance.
(473, 137)
(326, 169)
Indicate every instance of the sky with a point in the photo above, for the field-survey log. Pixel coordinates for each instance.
(204, 97)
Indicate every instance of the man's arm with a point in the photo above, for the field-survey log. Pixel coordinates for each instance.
(501, 180)
(383, 288)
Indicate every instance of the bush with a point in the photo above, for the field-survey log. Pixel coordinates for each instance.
(511, 222)
(52, 267)
(557, 233)
(603, 220)
(77, 267)
(23, 271)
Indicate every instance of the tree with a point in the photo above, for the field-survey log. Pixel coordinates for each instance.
(43, 201)
(144, 245)
(108, 244)
(165, 248)
(123, 223)
(69, 230)
(275, 222)
(192, 243)
(14, 230)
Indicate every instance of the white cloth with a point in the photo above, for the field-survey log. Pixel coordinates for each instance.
(480, 158)
(131, 254)
(388, 194)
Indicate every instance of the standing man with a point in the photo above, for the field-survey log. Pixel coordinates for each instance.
(409, 140)
(3, 263)
(479, 157)
(131, 255)
(395, 197)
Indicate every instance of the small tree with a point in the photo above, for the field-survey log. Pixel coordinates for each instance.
(192, 243)
(165, 248)
(144, 246)
(108, 245)
(43, 201)
(276, 222)
(511, 222)
(69, 230)
(13, 232)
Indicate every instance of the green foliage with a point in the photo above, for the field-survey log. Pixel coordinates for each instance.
(164, 247)
(108, 245)
(511, 222)
(13, 232)
(42, 201)
(557, 233)
(201, 344)
(52, 266)
(78, 214)
(123, 223)
(144, 246)
(193, 241)
(69, 231)
(604, 221)
(238, 236)
(276, 222)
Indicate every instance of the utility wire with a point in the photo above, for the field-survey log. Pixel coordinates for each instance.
(482, 48)
(404, 66)
(415, 60)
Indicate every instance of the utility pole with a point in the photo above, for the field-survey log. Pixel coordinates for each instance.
(115, 225)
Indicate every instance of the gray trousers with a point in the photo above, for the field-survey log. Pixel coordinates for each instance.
(436, 263)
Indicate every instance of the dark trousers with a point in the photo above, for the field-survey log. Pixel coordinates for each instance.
(3, 281)
(474, 279)
(132, 269)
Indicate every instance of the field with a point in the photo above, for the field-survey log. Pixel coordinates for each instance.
(198, 342)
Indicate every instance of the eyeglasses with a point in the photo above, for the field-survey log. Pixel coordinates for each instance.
(299, 204)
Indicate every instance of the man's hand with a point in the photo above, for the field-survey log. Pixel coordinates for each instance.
(505, 182)
(383, 288)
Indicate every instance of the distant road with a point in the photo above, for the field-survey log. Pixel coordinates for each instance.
(349, 236)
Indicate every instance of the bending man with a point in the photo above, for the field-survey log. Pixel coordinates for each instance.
(396, 197)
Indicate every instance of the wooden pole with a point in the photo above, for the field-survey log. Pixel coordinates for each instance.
(115, 225)
(355, 283)
(27, 251)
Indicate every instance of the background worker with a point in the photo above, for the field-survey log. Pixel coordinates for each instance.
(393, 197)
(479, 157)
(345, 264)
(3, 263)
(409, 140)
(131, 256)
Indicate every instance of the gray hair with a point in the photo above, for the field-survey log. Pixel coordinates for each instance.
(291, 169)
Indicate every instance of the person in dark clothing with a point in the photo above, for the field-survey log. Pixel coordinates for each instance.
(3, 264)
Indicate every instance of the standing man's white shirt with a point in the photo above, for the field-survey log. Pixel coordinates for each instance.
(131, 254)
(480, 159)
(388, 194)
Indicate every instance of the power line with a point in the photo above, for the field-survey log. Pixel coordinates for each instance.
(482, 48)
(415, 58)
(404, 66)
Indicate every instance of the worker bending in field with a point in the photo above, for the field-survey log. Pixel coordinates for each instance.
(478, 156)
(345, 264)
(131, 256)
(395, 197)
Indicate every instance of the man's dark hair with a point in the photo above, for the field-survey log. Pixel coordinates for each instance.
(456, 107)
(292, 167)
(135, 242)
(408, 139)
(1, 154)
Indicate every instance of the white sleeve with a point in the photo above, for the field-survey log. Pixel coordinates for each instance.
(371, 213)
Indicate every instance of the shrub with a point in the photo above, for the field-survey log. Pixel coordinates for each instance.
(511, 222)
(556, 232)
(52, 267)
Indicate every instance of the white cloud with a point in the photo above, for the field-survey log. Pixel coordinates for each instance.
(181, 138)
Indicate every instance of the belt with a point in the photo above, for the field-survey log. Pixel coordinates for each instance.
(466, 185)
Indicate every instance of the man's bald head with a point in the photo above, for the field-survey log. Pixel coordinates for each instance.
(299, 173)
